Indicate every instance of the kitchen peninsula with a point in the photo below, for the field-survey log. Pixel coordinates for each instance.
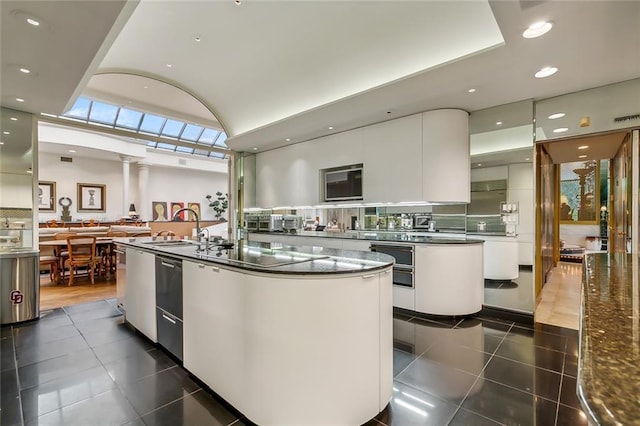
(609, 359)
(436, 275)
(287, 335)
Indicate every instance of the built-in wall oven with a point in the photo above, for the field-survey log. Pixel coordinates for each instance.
(403, 268)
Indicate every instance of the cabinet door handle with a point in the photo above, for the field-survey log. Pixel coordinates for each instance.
(201, 265)
(366, 277)
(118, 251)
(215, 269)
(388, 271)
(171, 320)
(168, 265)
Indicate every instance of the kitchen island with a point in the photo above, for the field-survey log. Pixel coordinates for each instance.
(287, 335)
(433, 274)
(609, 358)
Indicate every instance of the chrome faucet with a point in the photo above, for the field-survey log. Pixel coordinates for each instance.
(198, 230)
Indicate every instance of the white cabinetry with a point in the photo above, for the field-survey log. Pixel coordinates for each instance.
(521, 191)
(213, 314)
(446, 162)
(237, 325)
(16, 191)
(141, 292)
(393, 162)
(449, 279)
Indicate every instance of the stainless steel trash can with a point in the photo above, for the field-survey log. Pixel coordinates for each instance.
(19, 286)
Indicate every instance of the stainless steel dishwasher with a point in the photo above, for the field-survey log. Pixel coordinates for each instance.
(169, 304)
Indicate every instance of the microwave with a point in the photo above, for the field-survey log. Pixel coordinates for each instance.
(421, 221)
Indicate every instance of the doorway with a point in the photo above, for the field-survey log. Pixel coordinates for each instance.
(584, 204)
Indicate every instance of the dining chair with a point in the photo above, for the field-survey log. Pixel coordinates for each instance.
(50, 262)
(164, 233)
(108, 254)
(82, 253)
(61, 252)
(90, 223)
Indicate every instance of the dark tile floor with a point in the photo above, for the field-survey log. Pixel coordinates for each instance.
(81, 365)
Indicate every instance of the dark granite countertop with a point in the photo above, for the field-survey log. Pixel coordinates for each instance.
(385, 236)
(609, 363)
(266, 257)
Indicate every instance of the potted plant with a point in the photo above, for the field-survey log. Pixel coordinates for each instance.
(219, 204)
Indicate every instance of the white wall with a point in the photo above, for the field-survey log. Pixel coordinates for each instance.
(165, 184)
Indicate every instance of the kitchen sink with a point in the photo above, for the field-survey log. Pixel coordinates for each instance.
(170, 243)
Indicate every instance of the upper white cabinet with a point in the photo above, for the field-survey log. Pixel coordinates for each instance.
(393, 161)
(445, 156)
(249, 180)
(423, 157)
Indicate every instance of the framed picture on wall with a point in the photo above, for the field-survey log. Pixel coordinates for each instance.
(196, 208)
(580, 192)
(175, 206)
(159, 210)
(92, 197)
(47, 196)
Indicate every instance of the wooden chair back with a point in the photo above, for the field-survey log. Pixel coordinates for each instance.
(165, 233)
(82, 249)
(90, 223)
(54, 224)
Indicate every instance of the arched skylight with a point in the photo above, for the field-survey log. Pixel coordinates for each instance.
(191, 137)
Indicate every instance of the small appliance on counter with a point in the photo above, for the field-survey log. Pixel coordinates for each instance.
(251, 223)
(422, 221)
(291, 223)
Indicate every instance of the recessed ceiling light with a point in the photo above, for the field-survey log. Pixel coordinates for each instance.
(527, 159)
(560, 130)
(14, 119)
(29, 171)
(471, 90)
(498, 123)
(6, 133)
(145, 87)
(479, 164)
(288, 139)
(169, 65)
(537, 29)
(546, 72)
(197, 38)
(582, 156)
(46, 114)
(72, 150)
(238, 2)
(1, 143)
(330, 128)
(25, 70)
(19, 99)
(583, 147)
(556, 115)
(33, 22)
(255, 148)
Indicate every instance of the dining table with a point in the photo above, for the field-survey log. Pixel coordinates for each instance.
(60, 245)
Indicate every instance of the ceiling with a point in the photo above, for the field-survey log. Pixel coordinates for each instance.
(599, 147)
(278, 70)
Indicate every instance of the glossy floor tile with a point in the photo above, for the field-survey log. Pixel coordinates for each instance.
(82, 365)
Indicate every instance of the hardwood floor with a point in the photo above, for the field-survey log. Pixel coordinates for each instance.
(560, 297)
(56, 296)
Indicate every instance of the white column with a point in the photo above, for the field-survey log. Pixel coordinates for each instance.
(126, 161)
(143, 191)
